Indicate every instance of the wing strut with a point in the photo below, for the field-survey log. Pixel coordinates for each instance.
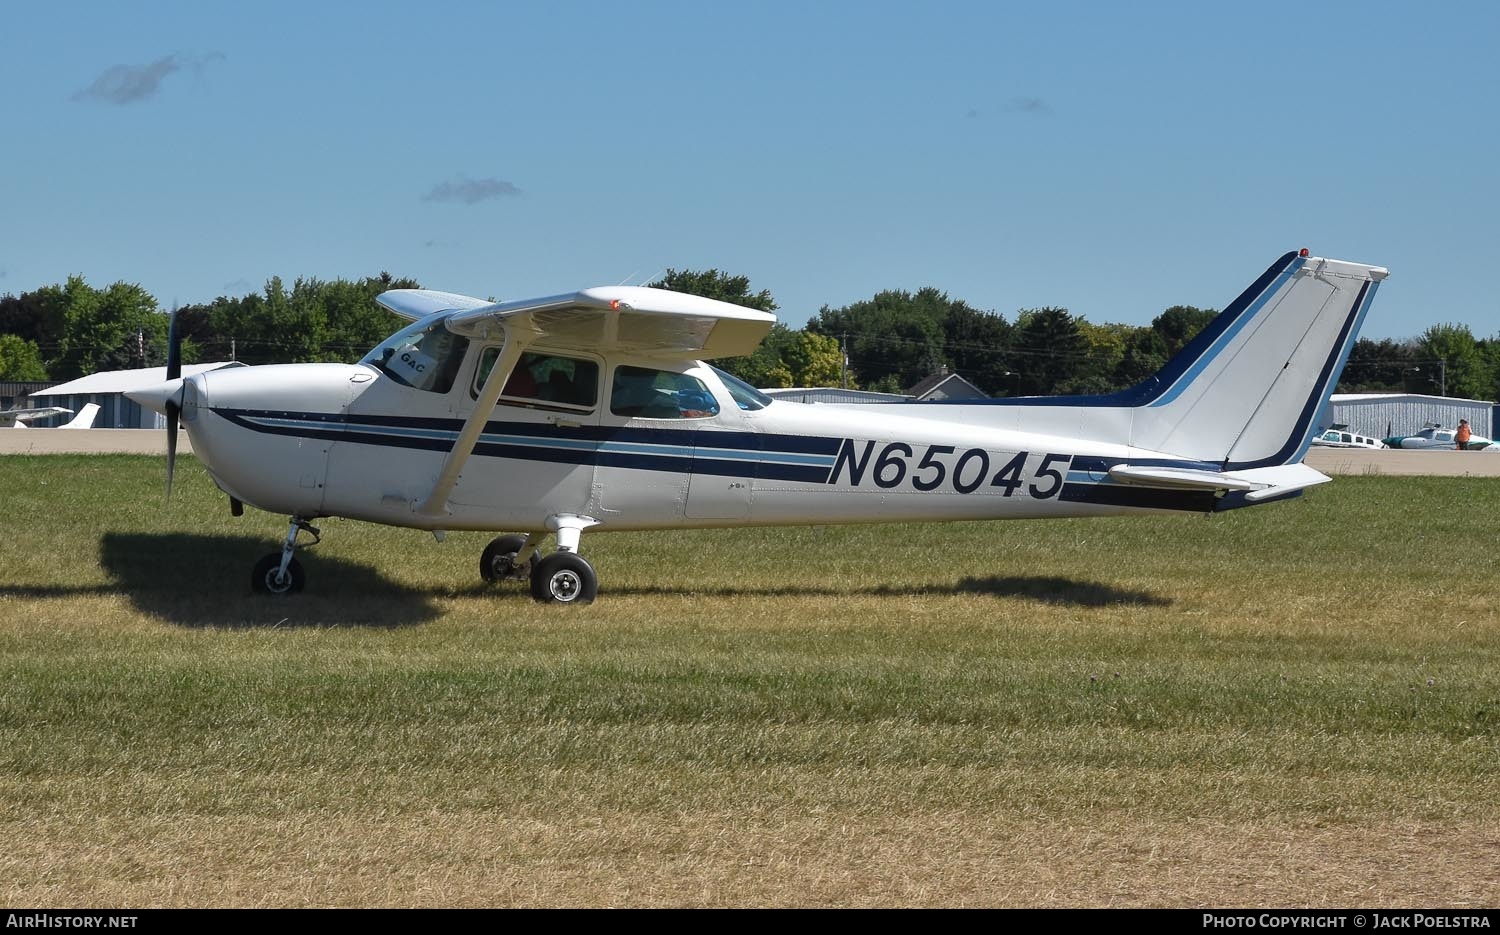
(519, 333)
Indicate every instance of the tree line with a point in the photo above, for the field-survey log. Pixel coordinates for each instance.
(66, 331)
(888, 342)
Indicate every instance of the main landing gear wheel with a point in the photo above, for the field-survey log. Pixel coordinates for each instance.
(564, 578)
(268, 579)
(498, 563)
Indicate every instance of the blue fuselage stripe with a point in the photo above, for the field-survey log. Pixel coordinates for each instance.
(1087, 479)
(728, 453)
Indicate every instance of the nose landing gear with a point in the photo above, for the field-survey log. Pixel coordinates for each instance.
(280, 572)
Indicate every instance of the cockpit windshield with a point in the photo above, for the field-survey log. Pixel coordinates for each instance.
(745, 396)
(424, 355)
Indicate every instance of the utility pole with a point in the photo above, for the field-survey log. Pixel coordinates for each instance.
(844, 360)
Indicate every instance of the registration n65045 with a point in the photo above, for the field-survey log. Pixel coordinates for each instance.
(897, 464)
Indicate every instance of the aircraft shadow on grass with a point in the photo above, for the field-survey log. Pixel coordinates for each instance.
(204, 581)
(1050, 589)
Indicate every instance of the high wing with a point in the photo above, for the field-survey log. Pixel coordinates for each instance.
(653, 323)
(650, 322)
(416, 304)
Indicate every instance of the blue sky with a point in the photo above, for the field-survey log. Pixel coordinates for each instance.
(1111, 158)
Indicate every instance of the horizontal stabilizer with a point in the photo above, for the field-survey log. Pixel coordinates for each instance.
(1281, 480)
(1257, 483)
(1177, 478)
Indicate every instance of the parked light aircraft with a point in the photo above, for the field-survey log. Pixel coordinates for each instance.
(1435, 436)
(594, 410)
(17, 418)
(1338, 435)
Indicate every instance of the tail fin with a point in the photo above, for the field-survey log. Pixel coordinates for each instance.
(1246, 392)
(84, 419)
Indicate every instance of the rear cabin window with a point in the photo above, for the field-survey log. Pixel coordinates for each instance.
(544, 380)
(644, 393)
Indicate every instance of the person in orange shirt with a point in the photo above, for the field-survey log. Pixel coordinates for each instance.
(1463, 435)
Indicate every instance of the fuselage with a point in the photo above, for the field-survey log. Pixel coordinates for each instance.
(634, 444)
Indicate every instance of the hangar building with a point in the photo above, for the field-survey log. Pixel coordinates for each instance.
(1384, 414)
(107, 388)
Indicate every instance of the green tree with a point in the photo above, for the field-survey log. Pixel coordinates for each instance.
(114, 328)
(1378, 366)
(353, 321)
(1143, 354)
(20, 360)
(894, 338)
(316, 321)
(1489, 349)
(763, 366)
(978, 345)
(26, 317)
(1105, 353)
(1052, 352)
(1145, 351)
(1453, 348)
(812, 359)
(1180, 324)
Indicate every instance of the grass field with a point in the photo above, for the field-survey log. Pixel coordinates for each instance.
(1292, 705)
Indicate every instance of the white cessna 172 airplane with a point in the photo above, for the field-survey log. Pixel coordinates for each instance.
(594, 410)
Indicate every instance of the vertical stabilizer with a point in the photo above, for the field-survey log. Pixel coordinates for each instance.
(1247, 391)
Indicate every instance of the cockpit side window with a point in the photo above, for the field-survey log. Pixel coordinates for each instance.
(645, 393)
(424, 355)
(544, 380)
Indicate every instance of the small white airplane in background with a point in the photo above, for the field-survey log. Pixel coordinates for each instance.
(17, 418)
(1338, 435)
(594, 410)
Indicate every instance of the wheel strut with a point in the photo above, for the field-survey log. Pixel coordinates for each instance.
(280, 572)
(290, 545)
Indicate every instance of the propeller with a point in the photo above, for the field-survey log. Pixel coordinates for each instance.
(174, 405)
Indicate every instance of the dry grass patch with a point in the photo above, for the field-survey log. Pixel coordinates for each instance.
(953, 858)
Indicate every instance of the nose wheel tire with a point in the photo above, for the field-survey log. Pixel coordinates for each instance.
(267, 577)
(498, 563)
(564, 578)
